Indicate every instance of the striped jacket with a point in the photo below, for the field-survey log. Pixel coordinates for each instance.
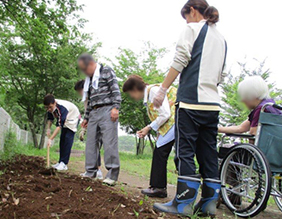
(108, 92)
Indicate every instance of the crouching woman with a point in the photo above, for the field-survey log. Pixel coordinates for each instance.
(162, 121)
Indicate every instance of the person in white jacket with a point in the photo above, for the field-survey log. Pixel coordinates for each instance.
(162, 121)
(67, 116)
(199, 59)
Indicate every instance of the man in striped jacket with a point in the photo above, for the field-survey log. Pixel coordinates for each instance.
(102, 90)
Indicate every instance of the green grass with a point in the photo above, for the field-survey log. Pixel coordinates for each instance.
(13, 147)
(141, 165)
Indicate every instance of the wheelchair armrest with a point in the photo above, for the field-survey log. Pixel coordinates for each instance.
(240, 135)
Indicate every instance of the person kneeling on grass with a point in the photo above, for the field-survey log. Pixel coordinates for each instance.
(162, 122)
(67, 115)
(254, 93)
(79, 89)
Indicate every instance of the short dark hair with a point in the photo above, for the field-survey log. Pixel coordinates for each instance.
(79, 85)
(86, 58)
(48, 99)
(134, 82)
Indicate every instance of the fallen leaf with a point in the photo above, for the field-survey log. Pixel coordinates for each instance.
(70, 193)
(16, 201)
(65, 211)
(7, 195)
(8, 188)
(153, 212)
(4, 200)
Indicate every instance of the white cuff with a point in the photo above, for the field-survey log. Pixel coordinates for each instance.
(154, 125)
(177, 66)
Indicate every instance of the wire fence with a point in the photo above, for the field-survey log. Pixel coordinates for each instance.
(7, 124)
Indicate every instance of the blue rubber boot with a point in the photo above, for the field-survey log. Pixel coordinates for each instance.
(183, 203)
(210, 192)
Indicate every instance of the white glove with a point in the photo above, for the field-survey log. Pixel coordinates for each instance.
(159, 98)
(82, 133)
(50, 142)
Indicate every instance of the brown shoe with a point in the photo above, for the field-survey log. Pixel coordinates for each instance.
(155, 192)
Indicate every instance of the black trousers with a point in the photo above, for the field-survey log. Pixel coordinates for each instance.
(66, 142)
(158, 177)
(195, 133)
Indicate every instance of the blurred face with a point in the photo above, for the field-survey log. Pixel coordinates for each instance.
(136, 94)
(193, 16)
(51, 108)
(89, 69)
(80, 92)
(251, 104)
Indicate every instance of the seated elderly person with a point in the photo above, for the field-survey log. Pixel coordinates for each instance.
(254, 93)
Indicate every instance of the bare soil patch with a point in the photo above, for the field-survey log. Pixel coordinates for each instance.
(29, 190)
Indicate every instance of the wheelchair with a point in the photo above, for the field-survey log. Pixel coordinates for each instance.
(251, 173)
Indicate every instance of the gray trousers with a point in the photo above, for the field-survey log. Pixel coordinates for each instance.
(101, 118)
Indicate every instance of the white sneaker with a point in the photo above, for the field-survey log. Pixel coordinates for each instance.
(109, 182)
(99, 175)
(55, 165)
(85, 175)
(62, 166)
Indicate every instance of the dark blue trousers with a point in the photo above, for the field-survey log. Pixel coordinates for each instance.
(66, 142)
(195, 134)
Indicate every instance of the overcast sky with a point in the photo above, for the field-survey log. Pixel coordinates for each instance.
(252, 28)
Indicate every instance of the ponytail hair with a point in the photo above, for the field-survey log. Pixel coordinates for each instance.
(210, 13)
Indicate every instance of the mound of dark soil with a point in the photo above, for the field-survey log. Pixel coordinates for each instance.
(28, 190)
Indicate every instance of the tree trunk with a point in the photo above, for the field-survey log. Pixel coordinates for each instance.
(33, 132)
(31, 124)
(140, 146)
(43, 133)
(151, 142)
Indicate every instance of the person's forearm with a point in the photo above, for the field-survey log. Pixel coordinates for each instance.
(57, 130)
(87, 111)
(49, 124)
(170, 78)
(230, 129)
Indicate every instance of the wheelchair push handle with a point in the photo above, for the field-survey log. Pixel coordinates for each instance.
(277, 106)
(271, 104)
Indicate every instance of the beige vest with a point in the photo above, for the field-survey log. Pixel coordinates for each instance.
(153, 113)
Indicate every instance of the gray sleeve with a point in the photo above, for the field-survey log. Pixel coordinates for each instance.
(114, 88)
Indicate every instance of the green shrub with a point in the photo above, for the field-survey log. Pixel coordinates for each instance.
(10, 146)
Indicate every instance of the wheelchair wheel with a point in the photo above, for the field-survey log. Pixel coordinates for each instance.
(246, 180)
(277, 190)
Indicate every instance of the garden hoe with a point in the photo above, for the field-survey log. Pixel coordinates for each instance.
(48, 171)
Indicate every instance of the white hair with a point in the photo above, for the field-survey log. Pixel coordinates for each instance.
(253, 87)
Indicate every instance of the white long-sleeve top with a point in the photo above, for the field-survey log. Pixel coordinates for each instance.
(164, 114)
(200, 57)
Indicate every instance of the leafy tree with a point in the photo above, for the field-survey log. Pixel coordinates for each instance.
(38, 51)
(234, 112)
(133, 115)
